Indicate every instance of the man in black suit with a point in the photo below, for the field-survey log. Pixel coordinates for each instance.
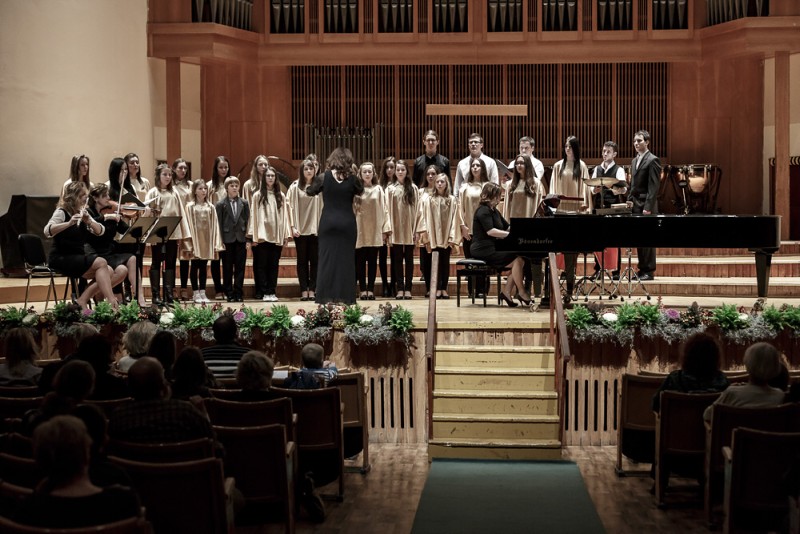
(233, 214)
(643, 195)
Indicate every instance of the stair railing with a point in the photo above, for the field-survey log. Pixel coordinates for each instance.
(559, 339)
(430, 337)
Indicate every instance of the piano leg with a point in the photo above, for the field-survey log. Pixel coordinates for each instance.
(763, 264)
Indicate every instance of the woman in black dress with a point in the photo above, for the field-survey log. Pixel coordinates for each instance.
(336, 277)
(100, 209)
(488, 226)
(70, 226)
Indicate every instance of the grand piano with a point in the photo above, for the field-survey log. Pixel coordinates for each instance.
(580, 233)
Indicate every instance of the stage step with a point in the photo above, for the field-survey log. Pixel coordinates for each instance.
(494, 401)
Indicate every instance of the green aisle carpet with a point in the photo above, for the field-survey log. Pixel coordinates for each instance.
(497, 496)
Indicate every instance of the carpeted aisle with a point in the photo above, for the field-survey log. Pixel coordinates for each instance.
(490, 496)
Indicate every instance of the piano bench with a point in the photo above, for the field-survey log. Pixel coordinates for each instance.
(472, 268)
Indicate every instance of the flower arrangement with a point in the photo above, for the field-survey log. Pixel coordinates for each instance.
(737, 325)
(13, 317)
(388, 324)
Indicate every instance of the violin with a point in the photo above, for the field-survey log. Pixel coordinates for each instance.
(128, 210)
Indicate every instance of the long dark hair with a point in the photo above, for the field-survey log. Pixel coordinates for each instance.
(409, 196)
(217, 181)
(383, 180)
(576, 152)
(529, 177)
(276, 188)
(301, 177)
(484, 173)
(114, 169)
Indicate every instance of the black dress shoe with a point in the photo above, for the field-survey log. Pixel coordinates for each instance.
(259, 296)
(510, 303)
(644, 277)
(231, 299)
(480, 296)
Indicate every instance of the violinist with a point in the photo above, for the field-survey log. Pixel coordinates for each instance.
(107, 213)
(119, 184)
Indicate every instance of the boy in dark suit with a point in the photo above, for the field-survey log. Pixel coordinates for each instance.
(643, 195)
(233, 214)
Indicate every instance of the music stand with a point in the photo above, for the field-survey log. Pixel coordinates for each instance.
(160, 232)
(134, 234)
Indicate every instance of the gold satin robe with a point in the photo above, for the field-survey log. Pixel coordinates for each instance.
(440, 222)
(469, 199)
(247, 190)
(171, 206)
(215, 195)
(304, 211)
(204, 229)
(519, 203)
(566, 185)
(142, 188)
(402, 216)
(372, 219)
(184, 189)
(267, 223)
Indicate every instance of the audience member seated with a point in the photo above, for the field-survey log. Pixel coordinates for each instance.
(67, 498)
(315, 370)
(164, 348)
(153, 417)
(96, 350)
(190, 376)
(254, 377)
(73, 384)
(136, 342)
(223, 357)
(80, 332)
(699, 372)
(763, 363)
(782, 379)
(20, 352)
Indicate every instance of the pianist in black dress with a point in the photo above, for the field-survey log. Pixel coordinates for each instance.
(487, 227)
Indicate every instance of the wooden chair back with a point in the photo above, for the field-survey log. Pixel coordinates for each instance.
(181, 451)
(15, 407)
(232, 413)
(262, 462)
(636, 417)
(224, 393)
(183, 496)
(319, 433)
(19, 391)
(354, 415)
(680, 434)
(16, 444)
(20, 471)
(109, 405)
(11, 496)
(724, 420)
(133, 525)
(755, 498)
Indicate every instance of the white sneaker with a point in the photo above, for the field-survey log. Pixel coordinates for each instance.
(274, 298)
(197, 297)
(203, 296)
(266, 298)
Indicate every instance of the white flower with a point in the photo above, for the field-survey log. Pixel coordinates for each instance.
(610, 317)
(297, 321)
(29, 319)
(744, 317)
(166, 319)
(366, 319)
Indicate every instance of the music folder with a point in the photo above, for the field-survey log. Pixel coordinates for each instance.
(130, 198)
(136, 230)
(502, 170)
(162, 229)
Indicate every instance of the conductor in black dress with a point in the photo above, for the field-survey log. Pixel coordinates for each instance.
(336, 274)
(643, 195)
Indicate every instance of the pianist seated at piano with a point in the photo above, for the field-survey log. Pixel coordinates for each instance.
(489, 226)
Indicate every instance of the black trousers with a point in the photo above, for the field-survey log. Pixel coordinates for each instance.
(403, 267)
(215, 272)
(233, 268)
(198, 274)
(366, 267)
(383, 254)
(443, 272)
(166, 254)
(307, 247)
(184, 273)
(269, 258)
(425, 266)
